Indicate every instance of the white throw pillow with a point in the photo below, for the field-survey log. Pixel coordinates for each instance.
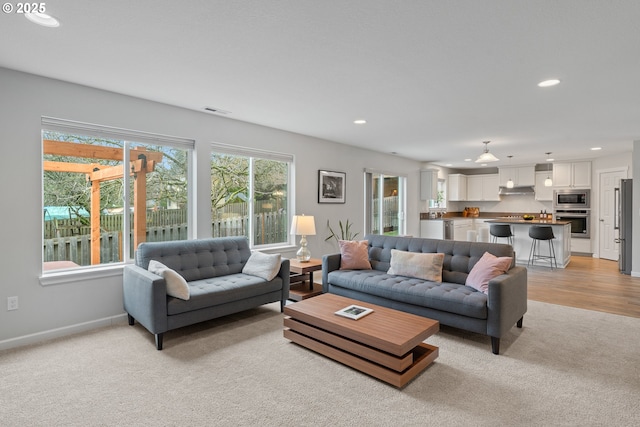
(176, 285)
(427, 266)
(265, 266)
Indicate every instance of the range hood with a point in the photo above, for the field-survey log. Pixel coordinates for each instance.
(517, 191)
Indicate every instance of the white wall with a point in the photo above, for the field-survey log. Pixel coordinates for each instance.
(48, 311)
(635, 264)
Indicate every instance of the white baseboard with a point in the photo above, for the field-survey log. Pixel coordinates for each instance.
(61, 332)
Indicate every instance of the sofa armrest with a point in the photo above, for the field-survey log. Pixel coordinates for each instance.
(330, 263)
(285, 275)
(507, 301)
(145, 298)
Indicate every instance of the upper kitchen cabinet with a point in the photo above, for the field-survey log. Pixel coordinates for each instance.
(522, 176)
(428, 184)
(457, 187)
(483, 187)
(572, 175)
(543, 194)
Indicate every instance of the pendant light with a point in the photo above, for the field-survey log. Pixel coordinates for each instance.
(510, 182)
(548, 182)
(486, 156)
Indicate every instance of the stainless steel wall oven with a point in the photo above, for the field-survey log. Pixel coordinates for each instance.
(580, 220)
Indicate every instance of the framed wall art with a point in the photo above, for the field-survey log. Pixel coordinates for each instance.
(331, 186)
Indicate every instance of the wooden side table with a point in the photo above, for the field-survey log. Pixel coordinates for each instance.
(302, 272)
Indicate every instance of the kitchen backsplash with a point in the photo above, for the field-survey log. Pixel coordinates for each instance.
(507, 204)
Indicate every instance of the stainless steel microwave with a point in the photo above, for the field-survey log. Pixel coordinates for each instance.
(571, 199)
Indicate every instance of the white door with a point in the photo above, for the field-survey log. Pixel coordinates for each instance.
(609, 180)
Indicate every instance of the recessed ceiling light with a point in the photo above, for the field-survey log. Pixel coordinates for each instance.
(467, 160)
(360, 122)
(548, 83)
(596, 148)
(448, 165)
(550, 159)
(42, 19)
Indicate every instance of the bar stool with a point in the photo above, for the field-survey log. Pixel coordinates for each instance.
(502, 231)
(539, 233)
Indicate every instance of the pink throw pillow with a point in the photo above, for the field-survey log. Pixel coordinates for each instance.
(354, 255)
(487, 268)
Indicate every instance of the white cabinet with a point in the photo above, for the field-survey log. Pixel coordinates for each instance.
(543, 194)
(460, 228)
(428, 184)
(582, 174)
(483, 187)
(432, 229)
(572, 175)
(522, 176)
(457, 187)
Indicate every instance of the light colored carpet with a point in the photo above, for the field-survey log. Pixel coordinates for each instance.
(566, 366)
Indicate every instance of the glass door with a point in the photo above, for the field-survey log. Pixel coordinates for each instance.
(385, 204)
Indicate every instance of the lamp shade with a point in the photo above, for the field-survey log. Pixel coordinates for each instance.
(303, 225)
(486, 156)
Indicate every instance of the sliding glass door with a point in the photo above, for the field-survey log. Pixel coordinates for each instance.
(385, 203)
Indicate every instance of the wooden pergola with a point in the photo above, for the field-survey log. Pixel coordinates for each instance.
(141, 163)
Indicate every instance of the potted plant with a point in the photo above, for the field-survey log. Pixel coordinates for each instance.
(345, 232)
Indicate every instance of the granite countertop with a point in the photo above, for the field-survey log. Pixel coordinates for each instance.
(511, 217)
(522, 221)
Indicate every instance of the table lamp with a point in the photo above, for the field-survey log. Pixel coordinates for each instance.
(303, 226)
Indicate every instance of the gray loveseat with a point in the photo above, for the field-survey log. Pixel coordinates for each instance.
(213, 270)
(450, 302)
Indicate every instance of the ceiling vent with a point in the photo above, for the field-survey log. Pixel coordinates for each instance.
(217, 110)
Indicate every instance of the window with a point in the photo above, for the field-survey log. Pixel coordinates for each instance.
(441, 199)
(106, 190)
(385, 203)
(250, 194)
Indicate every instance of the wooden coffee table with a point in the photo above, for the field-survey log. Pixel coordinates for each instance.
(386, 344)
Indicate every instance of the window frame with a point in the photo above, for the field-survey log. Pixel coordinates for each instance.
(253, 154)
(369, 175)
(129, 138)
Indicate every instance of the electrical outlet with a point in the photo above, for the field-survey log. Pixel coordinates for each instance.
(12, 303)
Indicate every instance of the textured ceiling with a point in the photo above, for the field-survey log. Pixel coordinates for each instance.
(432, 78)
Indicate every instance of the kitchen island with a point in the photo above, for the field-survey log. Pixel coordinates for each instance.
(522, 241)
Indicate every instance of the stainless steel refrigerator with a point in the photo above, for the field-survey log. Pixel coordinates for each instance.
(624, 215)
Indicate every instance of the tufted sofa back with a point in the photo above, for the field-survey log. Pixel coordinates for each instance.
(459, 256)
(197, 259)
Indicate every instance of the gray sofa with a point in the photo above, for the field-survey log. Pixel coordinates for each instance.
(213, 269)
(450, 302)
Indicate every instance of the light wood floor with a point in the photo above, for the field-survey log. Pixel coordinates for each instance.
(589, 283)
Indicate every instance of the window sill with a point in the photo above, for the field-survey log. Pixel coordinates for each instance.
(81, 274)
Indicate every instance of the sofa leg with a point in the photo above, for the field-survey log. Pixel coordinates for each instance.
(519, 324)
(495, 345)
(131, 319)
(159, 341)
(282, 304)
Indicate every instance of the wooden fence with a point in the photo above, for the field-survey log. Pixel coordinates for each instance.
(390, 220)
(78, 248)
(269, 228)
(111, 223)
